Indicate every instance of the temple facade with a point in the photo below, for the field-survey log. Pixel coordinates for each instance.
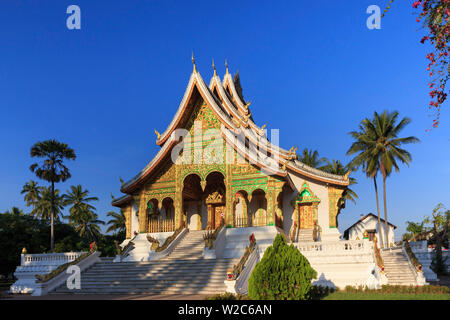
(215, 165)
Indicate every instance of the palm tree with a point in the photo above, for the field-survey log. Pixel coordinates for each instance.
(311, 158)
(42, 208)
(370, 165)
(379, 148)
(117, 223)
(78, 198)
(52, 170)
(15, 212)
(86, 223)
(32, 192)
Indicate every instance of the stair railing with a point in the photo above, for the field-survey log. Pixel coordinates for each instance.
(237, 279)
(377, 254)
(414, 264)
(237, 269)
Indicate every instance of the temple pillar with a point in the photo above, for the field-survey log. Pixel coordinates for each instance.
(127, 214)
(229, 223)
(332, 233)
(210, 216)
(199, 217)
(143, 220)
(178, 201)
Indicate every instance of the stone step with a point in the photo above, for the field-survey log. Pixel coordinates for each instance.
(143, 291)
(149, 281)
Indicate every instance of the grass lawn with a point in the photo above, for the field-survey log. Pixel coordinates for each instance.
(386, 296)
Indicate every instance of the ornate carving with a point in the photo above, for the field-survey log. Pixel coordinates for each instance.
(215, 198)
(334, 195)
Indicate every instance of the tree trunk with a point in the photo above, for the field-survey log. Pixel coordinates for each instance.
(386, 230)
(378, 212)
(52, 237)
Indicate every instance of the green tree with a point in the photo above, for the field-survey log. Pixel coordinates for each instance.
(117, 223)
(415, 229)
(32, 193)
(440, 221)
(364, 159)
(52, 170)
(379, 148)
(18, 231)
(15, 211)
(86, 223)
(42, 209)
(78, 199)
(311, 158)
(282, 274)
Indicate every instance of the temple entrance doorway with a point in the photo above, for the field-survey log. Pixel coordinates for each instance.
(215, 199)
(192, 203)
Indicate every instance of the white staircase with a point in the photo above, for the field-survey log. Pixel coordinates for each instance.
(305, 235)
(397, 268)
(183, 271)
(154, 277)
(191, 247)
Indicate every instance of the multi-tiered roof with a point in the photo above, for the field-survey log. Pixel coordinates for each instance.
(234, 114)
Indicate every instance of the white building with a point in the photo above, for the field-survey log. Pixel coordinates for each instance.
(369, 223)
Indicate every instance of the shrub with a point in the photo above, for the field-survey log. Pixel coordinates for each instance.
(227, 296)
(282, 274)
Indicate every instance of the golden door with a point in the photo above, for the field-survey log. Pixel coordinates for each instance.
(306, 216)
(219, 214)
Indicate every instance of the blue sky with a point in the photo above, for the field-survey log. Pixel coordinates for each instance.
(311, 69)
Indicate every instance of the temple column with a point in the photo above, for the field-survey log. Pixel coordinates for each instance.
(332, 233)
(143, 221)
(210, 216)
(229, 223)
(199, 217)
(178, 201)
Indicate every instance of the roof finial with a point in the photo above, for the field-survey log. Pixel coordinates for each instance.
(214, 67)
(158, 135)
(193, 62)
(226, 65)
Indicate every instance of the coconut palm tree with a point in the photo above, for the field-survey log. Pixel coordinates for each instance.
(78, 198)
(311, 158)
(86, 223)
(15, 211)
(370, 165)
(117, 223)
(379, 149)
(32, 192)
(52, 170)
(43, 208)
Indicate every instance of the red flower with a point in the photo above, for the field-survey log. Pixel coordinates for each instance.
(416, 4)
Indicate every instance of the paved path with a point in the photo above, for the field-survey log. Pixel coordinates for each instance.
(109, 297)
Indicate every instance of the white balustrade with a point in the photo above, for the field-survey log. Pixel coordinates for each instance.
(49, 258)
(33, 264)
(337, 247)
(341, 263)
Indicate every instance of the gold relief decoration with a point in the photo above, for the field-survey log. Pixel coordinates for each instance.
(334, 195)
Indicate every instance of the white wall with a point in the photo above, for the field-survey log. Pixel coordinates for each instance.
(368, 223)
(134, 219)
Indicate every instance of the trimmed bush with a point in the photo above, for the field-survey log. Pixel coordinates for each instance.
(282, 274)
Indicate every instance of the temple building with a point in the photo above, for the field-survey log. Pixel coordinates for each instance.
(226, 170)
